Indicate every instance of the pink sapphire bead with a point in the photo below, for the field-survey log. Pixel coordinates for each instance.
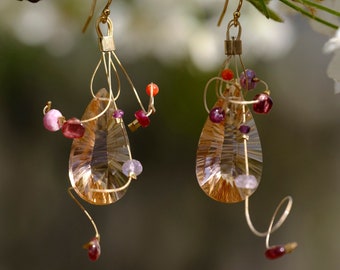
(73, 129)
(248, 81)
(93, 249)
(51, 120)
(217, 115)
(142, 118)
(264, 103)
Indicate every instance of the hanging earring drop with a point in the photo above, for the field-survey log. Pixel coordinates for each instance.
(101, 166)
(229, 153)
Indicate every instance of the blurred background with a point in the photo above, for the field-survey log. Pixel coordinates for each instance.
(165, 221)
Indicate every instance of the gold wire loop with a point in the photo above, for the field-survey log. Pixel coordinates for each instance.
(109, 27)
(47, 107)
(272, 227)
(233, 46)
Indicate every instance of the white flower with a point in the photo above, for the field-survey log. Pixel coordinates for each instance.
(333, 70)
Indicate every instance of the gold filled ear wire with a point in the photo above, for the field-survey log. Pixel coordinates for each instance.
(229, 154)
(101, 166)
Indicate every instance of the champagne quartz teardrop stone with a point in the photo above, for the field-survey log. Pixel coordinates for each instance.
(220, 154)
(96, 159)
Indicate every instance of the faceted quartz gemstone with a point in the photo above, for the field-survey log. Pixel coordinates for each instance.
(96, 159)
(220, 154)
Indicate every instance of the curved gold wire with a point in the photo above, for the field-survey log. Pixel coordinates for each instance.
(224, 10)
(84, 211)
(272, 227)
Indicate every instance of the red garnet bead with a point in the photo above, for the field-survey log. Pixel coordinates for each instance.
(278, 251)
(217, 115)
(142, 118)
(275, 252)
(152, 88)
(73, 129)
(227, 74)
(264, 103)
(93, 249)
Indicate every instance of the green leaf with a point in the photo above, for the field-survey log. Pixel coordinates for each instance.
(261, 5)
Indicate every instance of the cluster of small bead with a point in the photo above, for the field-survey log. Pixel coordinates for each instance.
(248, 81)
(54, 121)
(73, 127)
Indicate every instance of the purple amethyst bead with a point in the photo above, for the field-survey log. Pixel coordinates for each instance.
(249, 77)
(244, 129)
(217, 115)
(118, 113)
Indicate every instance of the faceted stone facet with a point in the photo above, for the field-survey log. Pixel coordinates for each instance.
(220, 153)
(96, 159)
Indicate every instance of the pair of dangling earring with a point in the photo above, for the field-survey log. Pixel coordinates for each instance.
(229, 155)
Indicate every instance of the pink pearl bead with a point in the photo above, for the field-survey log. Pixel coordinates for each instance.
(51, 120)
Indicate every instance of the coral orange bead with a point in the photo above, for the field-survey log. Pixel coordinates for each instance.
(152, 88)
(227, 74)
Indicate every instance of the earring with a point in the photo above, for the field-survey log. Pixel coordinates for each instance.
(101, 166)
(229, 154)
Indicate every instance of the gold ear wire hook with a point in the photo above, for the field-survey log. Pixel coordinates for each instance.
(224, 10)
(89, 18)
(105, 13)
(236, 13)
